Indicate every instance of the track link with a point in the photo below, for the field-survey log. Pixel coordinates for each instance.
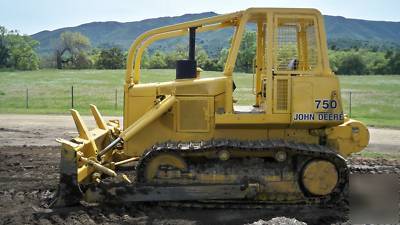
(310, 151)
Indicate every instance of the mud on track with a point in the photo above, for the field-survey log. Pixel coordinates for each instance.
(29, 177)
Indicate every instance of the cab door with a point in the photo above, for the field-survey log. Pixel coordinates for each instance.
(300, 81)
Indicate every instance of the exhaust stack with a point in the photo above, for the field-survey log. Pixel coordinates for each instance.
(187, 68)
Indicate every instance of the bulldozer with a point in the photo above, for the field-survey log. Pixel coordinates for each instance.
(189, 140)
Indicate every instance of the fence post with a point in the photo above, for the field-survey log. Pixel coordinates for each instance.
(72, 96)
(350, 103)
(27, 98)
(116, 98)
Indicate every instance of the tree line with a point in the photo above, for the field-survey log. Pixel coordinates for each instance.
(364, 61)
(72, 50)
(351, 61)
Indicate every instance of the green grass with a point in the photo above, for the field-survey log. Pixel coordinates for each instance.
(375, 99)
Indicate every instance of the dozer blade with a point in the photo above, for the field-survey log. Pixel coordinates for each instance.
(78, 158)
(88, 158)
(68, 191)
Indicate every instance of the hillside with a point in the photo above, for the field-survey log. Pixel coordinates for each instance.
(341, 32)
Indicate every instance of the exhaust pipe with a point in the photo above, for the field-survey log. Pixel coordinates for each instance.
(187, 68)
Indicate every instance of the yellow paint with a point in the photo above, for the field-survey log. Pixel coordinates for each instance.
(320, 177)
(202, 109)
(349, 137)
(155, 112)
(163, 159)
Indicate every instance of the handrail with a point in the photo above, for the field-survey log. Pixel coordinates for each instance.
(158, 37)
(181, 26)
(231, 17)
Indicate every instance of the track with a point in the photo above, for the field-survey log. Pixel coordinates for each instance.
(29, 176)
(304, 152)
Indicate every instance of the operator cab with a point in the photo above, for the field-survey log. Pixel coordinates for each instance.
(295, 52)
(290, 70)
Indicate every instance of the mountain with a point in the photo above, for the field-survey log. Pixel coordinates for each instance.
(112, 33)
(342, 32)
(338, 27)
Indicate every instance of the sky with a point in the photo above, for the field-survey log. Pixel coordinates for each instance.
(32, 16)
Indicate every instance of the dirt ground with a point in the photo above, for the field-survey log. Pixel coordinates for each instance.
(29, 159)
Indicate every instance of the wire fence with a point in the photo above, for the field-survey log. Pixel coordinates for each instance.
(108, 99)
(35, 99)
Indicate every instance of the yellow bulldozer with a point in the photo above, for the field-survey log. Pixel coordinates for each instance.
(188, 140)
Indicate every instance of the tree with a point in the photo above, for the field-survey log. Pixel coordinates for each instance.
(157, 61)
(364, 61)
(22, 54)
(205, 62)
(47, 61)
(112, 58)
(375, 61)
(180, 52)
(394, 63)
(247, 53)
(17, 51)
(70, 50)
(352, 64)
(4, 51)
(223, 55)
(201, 57)
(145, 59)
(82, 61)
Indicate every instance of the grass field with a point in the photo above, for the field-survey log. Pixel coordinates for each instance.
(375, 99)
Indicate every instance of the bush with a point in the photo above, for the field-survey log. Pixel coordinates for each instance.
(112, 58)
